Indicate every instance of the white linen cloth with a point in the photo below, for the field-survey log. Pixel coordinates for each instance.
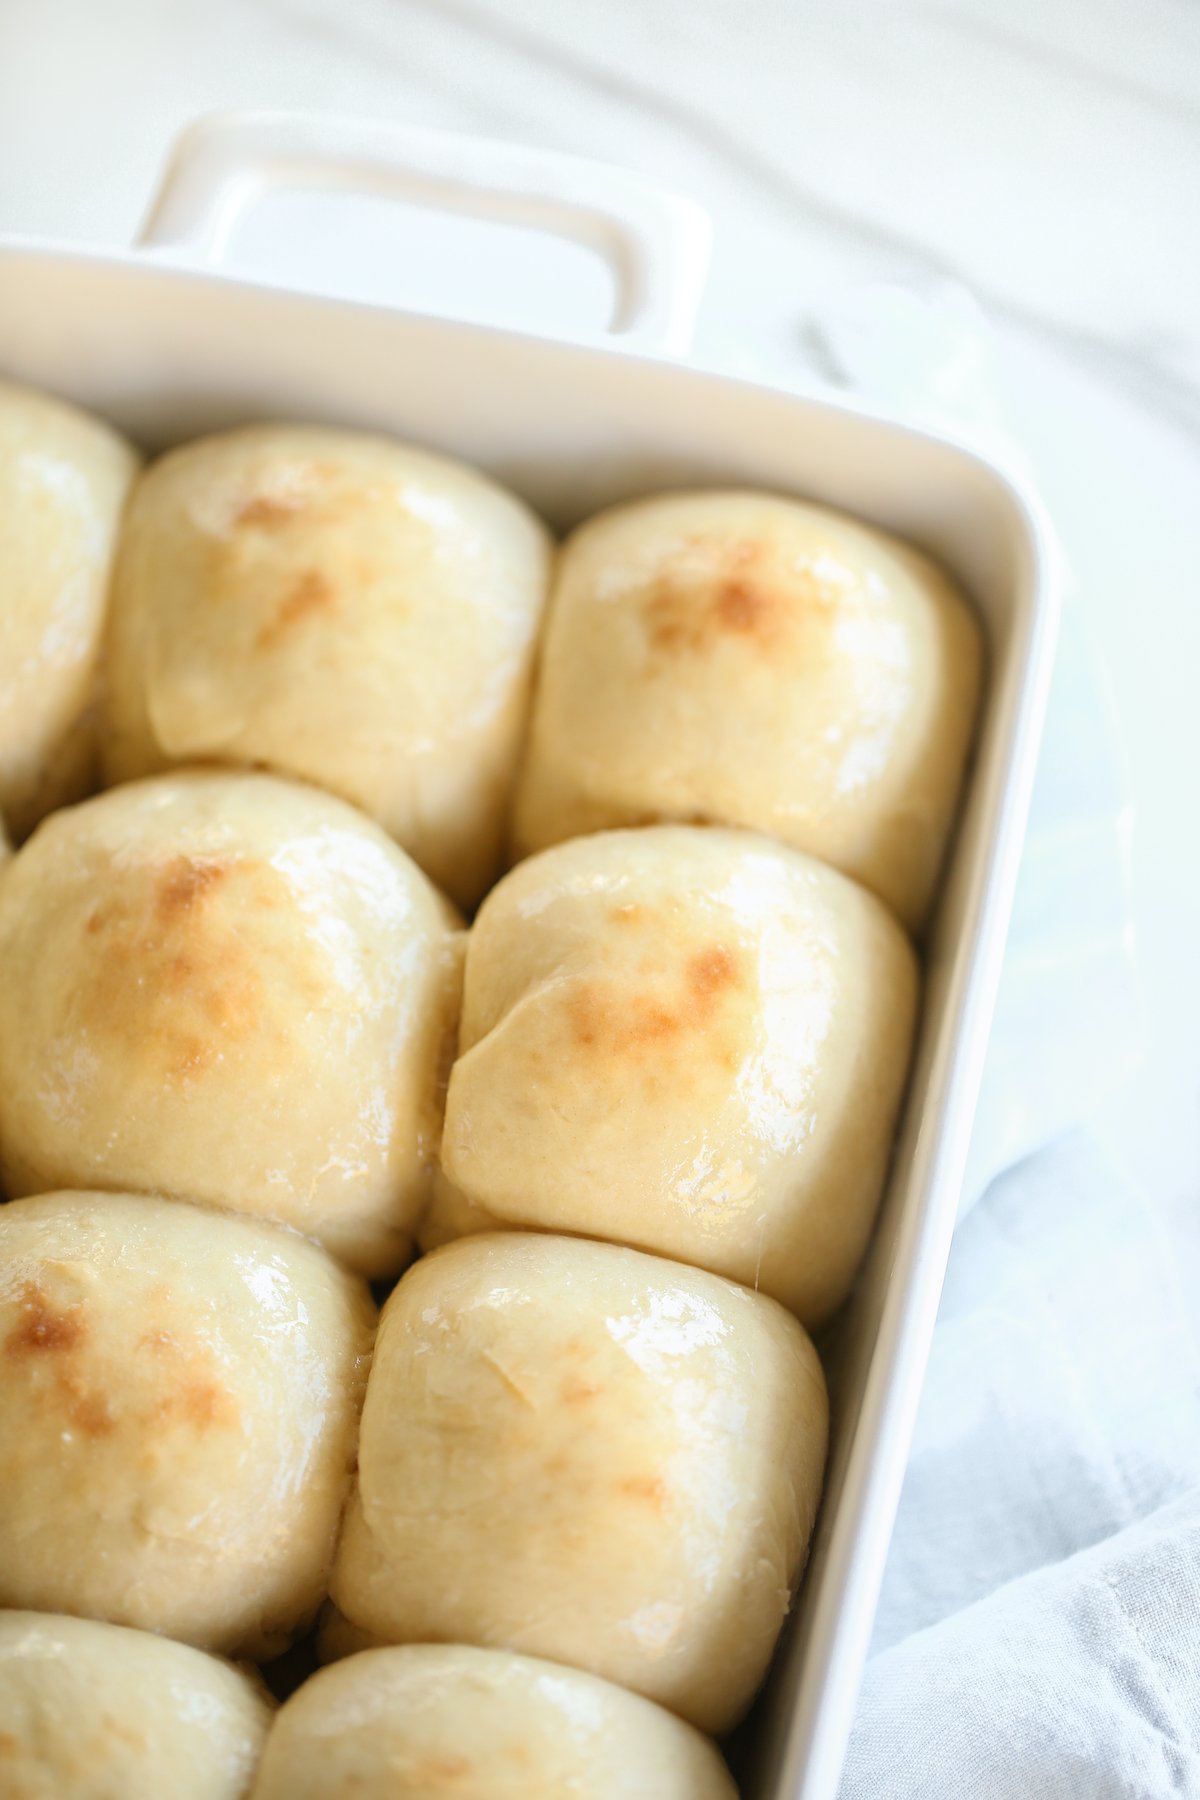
(1039, 1628)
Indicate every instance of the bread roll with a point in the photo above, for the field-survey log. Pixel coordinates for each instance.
(692, 1041)
(178, 1414)
(745, 660)
(95, 1712)
(230, 989)
(576, 1451)
(433, 1720)
(338, 607)
(63, 481)
(337, 1637)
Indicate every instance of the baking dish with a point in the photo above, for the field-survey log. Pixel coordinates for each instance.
(167, 342)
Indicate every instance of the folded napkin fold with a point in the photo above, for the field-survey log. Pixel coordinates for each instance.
(1078, 1682)
(1039, 1628)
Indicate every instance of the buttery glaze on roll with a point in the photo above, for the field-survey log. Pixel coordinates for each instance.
(692, 1041)
(432, 1720)
(747, 660)
(577, 1451)
(63, 481)
(178, 1412)
(339, 607)
(231, 989)
(97, 1712)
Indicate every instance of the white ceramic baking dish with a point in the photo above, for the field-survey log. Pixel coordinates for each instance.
(167, 343)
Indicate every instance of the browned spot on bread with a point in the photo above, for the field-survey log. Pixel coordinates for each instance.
(44, 1327)
(575, 1391)
(739, 605)
(189, 1058)
(183, 1385)
(617, 1021)
(716, 590)
(710, 970)
(312, 593)
(673, 618)
(176, 890)
(671, 1006)
(87, 1410)
(200, 1404)
(8, 1744)
(269, 510)
(191, 1394)
(185, 880)
(649, 1488)
(58, 1334)
(297, 492)
(184, 958)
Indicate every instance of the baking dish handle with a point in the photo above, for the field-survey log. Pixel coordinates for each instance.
(656, 243)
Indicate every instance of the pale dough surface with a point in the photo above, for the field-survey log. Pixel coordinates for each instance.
(340, 607)
(747, 660)
(233, 989)
(578, 1451)
(98, 1712)
(427, 1721)
(178, 1416)
(693, 1041)
(63, 481)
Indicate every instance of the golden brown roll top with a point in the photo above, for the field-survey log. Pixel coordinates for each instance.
(692, 1041)
(339, 607)
(231, 989)
(576, 1451)
(178, 1413)
(63, 481)
(747, 660)
(97, 1712)
(431, 1720)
